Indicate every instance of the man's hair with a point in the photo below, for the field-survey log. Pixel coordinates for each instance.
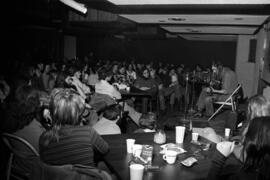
(21, 109)
(112, 112)
(103, 73)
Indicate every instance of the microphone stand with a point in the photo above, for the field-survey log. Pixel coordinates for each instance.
(186, 104)
(191, 110)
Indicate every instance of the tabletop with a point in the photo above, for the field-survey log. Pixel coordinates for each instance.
(118, 159)
(135, 92)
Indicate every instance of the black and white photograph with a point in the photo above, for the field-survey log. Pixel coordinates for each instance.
(135, 90)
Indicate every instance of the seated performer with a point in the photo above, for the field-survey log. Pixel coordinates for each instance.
(209, 94)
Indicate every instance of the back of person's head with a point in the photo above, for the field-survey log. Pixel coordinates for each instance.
(258, 106)
(112, 112)
(103, 73)
(256, 150)
(66, 107)
(21, 109)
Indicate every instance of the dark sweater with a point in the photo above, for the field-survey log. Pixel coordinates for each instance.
(76, 145)
(217, 170)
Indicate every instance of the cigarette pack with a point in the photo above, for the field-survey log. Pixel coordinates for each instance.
(147, 153)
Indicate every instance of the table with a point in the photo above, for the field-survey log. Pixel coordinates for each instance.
(118, 159)
(137, 93)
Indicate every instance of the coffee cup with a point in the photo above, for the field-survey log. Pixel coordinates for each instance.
(170, 156)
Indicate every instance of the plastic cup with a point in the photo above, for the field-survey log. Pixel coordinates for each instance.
(136, 171)
(227, 132)
(130, 143)
(195, 137)
(179, 134)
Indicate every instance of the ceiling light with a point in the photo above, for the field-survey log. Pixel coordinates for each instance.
(75, 5)
(176, 19)
(238, 19)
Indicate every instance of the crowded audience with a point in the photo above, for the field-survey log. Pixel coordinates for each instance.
(63, 109)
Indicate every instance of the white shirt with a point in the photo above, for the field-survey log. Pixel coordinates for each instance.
(92, 79)
(103, 87)
(105, 126)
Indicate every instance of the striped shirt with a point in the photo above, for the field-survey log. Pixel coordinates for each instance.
(76, 145)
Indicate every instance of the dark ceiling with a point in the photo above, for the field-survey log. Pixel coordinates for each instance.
(52, 14)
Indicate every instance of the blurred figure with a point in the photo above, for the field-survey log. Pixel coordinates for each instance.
(107, 124)
(255, 153)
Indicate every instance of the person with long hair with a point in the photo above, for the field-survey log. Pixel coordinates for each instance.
(68, 142)
(255, 153)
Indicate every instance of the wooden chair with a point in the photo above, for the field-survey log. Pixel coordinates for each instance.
(231, 101)
(12, 142)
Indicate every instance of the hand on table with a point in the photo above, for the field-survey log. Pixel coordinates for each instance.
(210, 134)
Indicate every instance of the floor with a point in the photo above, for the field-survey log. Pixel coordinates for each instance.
(224, 119)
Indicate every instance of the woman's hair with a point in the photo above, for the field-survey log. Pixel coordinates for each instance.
(66, 108)
(258, 106)
(22, 109)
(256, 147)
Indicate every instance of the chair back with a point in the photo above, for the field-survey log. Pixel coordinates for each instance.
(12, 142)
(231, 101)
(22, 152)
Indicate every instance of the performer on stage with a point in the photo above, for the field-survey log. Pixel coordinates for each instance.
(209, 94)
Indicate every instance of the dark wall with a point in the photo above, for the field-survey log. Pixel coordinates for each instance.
(175, 51)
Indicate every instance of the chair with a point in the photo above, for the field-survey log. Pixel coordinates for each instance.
(12, 142)
(231, 101)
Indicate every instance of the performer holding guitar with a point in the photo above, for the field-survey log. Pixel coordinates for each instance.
(210, 94)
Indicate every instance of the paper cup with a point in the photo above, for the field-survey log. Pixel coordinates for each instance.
(179, 134)
(137, 150)
(127, 89)
(130, 143)
(136, 171)
(195, 137)
(227, 132)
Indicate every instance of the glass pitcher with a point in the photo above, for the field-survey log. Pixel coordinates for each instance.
(160, 136)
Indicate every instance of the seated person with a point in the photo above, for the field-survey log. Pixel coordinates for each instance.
(68, 142)
(167, 88)
(21, 117)
(147, 84)
(107, 123)
(258, 106)
(147, 123)
(255, 154)
(74, 80)
(209, 95)
(108, 94)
